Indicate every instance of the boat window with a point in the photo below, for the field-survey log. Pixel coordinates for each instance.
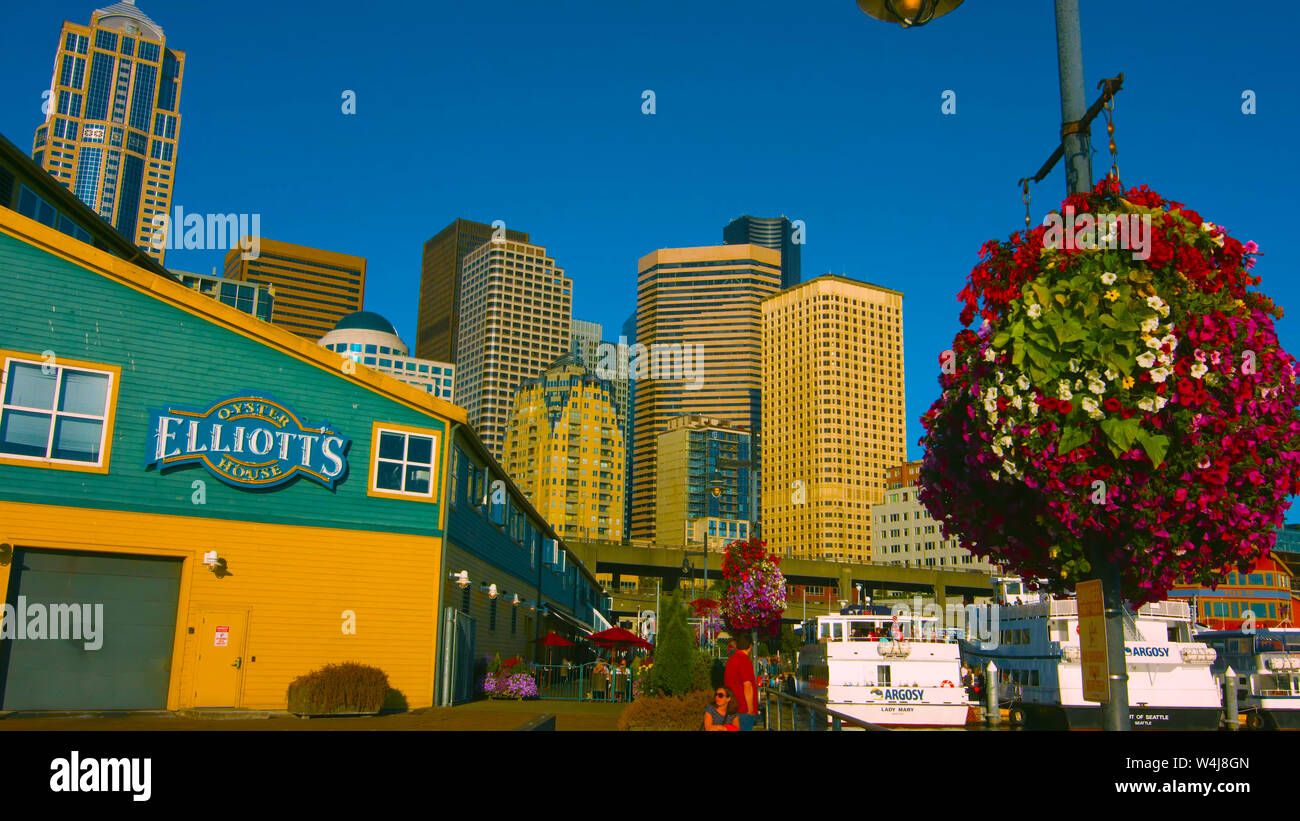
(882, 675)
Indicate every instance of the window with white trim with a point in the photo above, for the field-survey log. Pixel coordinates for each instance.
(403, 463)
(53, 413)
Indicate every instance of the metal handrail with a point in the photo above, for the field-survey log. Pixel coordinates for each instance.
(837, 719)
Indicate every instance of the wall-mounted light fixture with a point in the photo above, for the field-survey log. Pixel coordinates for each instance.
(490, 589)
(215, 563)
(462, 578)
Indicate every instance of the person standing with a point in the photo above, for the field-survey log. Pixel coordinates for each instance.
(739, 678)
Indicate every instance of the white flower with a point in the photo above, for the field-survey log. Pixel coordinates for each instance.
(995, 475)
(1207, 226)
(1000, 377)
(1163, 310)
(997, 450)
(1147, 404)
(1199, 370)
(1074, 366)
(1161, 402)
(1153, 343)
(989, 354)
(1090, 404)
(1111, 375)
(991, 393)
(1150, 325)
(1160, 374)
(1097, 388)
(1170, 340)
(1063, 391)
(1022, 382)
(1096, 415)
(1147, 359)
(1008, 390)
(1164, 359)
(1108, 278)
(1035, 311)
(1005, 441)
(1078, 384)
(991, 405)
(1217, 240)
(1017, 402)
(1033, 409)
(1009, 466)
(1155, 302)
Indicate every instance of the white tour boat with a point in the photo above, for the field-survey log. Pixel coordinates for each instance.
(890, 671)
(1040, 670)
(1267, 665)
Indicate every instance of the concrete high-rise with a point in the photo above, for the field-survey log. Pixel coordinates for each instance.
(438, 323)
(770, 232)
(834, 420)
(565, 451)
(113, 120)
(515, 312)
(595, 352)
(698, 350)
(314, 289)
(705, 484)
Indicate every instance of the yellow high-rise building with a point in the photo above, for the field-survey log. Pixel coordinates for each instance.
(834, 419)
(113, 120)
(314, 289)
(698, 348)
(564, 449)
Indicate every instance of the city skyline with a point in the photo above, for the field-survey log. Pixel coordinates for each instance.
(838, 195)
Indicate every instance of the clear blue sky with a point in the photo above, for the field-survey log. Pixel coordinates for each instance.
(531, 113)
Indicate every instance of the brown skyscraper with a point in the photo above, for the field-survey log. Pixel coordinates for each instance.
(440, 276)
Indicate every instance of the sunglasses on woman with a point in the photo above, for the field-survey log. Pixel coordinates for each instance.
(721, 695)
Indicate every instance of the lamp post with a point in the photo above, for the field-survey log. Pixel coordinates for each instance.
(1078, 178)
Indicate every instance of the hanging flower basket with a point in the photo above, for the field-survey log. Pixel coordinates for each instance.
(754, 588)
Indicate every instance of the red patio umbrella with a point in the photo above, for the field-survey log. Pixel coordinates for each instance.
(619, 637)
(552, 640)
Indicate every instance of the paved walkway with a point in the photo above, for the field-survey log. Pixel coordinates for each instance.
(478, 715)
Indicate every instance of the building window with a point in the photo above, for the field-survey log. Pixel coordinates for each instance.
(403, 463)
(56, 415)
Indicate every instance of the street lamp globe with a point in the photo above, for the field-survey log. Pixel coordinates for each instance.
(907, 13)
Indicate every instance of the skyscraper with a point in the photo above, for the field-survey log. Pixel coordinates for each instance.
(769, 232)
(595, 351)
(564, 450)
(314, 289)
(515, 310)
(438, 323)
(699, 329)
(704, 490)
(834, 421)
(113, 119)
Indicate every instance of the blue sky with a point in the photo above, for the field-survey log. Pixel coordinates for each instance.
(531, 113)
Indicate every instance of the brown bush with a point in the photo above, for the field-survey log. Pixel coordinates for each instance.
(684, 712)
(339, 688)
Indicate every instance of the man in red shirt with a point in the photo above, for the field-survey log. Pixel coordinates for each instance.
(739, 677)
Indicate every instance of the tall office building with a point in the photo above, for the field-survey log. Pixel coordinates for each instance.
(705, 486)
(314, 289)
(515, 313)
(904, 535)
(628, 338)
(700, 322)
(834, 421)
(438, 323)
(113, 120)
(565, 451)
(595, 352)
(769, 232)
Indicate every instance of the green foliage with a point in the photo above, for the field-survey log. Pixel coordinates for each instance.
(676, 656)
(494, 666)
(339, 688)
(681, 712)
(789, 643)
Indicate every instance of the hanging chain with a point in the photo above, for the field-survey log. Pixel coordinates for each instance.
(1025, 196)
(1110, 133)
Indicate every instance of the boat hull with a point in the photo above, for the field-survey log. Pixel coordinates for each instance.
(1089, 717)
(907, 715)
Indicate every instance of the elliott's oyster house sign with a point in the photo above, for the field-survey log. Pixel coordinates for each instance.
(248, 440)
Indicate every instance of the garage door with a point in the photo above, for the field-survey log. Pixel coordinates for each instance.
(130, 670)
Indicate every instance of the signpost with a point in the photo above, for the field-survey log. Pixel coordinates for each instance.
(1092, 641)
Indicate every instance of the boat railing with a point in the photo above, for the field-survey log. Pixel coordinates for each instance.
(818, 715)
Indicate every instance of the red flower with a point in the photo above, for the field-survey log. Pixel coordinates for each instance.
(1065, 407)
(1112, 404)
(1186, 386)
(1052, 404)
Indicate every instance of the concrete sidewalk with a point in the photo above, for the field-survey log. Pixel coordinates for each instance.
(478, 715)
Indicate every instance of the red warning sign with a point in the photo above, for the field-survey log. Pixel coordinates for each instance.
(223, 637)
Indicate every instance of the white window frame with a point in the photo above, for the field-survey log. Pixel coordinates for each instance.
(432, 466)
(105, 419)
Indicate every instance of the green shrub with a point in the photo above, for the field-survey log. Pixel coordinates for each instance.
(339, 688)
(682, 712)
(675, 652)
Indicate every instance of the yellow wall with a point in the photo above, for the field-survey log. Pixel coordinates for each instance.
(295, 582)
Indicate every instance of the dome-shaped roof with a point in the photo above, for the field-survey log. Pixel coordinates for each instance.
(365, 321)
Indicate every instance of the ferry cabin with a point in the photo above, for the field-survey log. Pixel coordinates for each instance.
(1267, 668)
